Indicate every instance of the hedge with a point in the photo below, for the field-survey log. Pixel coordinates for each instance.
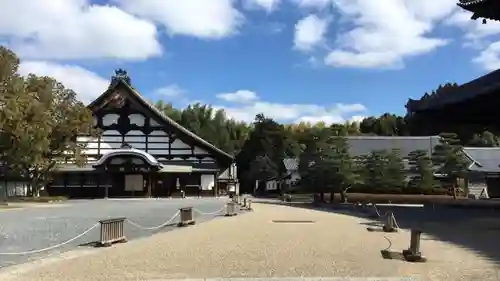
(40, 199)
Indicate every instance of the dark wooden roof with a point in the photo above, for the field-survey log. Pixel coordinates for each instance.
(483, 85)
(167, 120)
(487, 9)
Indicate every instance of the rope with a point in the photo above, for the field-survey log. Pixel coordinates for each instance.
(385, 215)
(154, 227)
(390, 243)
(209, 214)
(51, 247)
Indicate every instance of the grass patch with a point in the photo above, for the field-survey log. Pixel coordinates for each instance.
(7, 207)
(41, 199)
(386, 198)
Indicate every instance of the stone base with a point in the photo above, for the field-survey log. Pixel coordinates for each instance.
(186, 223)
(412, 257)
(388, 229)
(108, 244)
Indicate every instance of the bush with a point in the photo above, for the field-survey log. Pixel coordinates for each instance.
(396, 198)
(41, 199)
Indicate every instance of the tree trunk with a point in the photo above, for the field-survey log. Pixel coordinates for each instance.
(332, 197)
(343, 196)
(322, 196)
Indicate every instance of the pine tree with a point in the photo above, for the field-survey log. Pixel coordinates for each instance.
(394, 171)
(374, 169)
(448, 156)
(338, 165)
(421, 165)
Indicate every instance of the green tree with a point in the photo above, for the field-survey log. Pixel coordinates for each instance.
(338, 165)
(394, 171)
(486, 139)
(39, 121)
(421, 166)
(374, 168)
(268, 138)
(448, 157)
(313, 174)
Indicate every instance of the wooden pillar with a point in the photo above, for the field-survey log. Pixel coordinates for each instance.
(150, 177)
(216, 184)
(106, 184)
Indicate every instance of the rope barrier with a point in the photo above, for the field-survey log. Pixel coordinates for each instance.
(53, 246)
(96, 225)
(209, 214)
(384, 215)
(154, 227)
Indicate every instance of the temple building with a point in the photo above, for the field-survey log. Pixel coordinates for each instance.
(141, 152)
(470, 107)
(486, 9)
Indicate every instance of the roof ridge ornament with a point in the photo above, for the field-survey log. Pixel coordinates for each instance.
(120, 75)
(126, 146)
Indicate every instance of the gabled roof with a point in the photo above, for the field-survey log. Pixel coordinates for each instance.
(483, 159)
(201, 142)
(291, 164)
(362, 145)
(480, 86)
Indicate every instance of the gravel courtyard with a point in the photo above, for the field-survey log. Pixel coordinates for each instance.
(251, 245)
(35, 228)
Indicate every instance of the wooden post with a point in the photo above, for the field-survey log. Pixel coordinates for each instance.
(186, 216)
(112, 231)
(390, 224)
(413, 253)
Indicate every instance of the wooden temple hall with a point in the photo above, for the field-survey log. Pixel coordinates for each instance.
(142, 152)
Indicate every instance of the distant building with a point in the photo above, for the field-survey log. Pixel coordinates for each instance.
(483, 171)
(471, 105)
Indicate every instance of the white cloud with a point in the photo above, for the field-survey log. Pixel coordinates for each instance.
(384, 35)
(479, 36)
(267, 5)
(489, 58)
(240, 96)
(75, 29)
(88, 85)
(337, 113)
(170, 91)
(212, 19)
(317, 4)
(310, 32)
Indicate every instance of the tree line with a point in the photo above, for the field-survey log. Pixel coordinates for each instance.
(40, 117)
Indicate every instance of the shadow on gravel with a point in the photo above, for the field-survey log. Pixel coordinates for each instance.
(475, 229)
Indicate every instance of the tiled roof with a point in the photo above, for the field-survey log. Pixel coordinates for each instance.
(484, 159)
(363, 145)
(479, 86)
(470, 2)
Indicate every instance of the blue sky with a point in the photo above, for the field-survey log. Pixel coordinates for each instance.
(293, 60)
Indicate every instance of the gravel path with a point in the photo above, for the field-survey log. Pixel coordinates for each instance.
(251, 245)
(40, 226)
